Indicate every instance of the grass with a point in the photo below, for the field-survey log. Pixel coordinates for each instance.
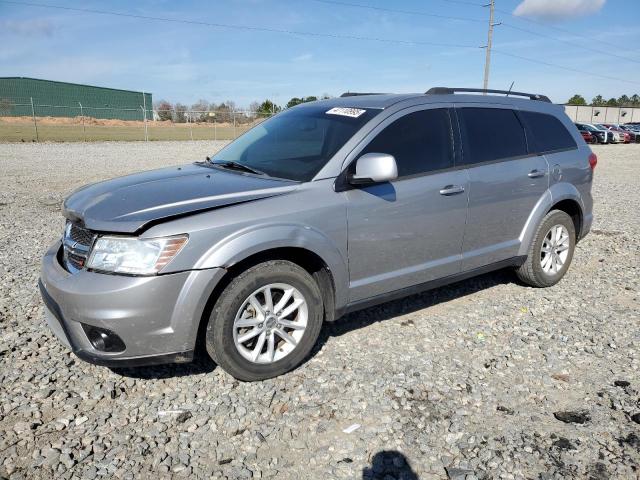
(95, 133)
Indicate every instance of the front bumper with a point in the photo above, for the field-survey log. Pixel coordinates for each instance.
(157, 317)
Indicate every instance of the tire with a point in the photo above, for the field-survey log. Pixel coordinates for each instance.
(532, 272)
(223, 335)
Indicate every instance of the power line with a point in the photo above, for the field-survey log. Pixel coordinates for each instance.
(312, 34)
(541, 24)
(551, 27)
(508, 25)
(570, 69)
(475, 20)
(241, 27)
(568, 42)
(393, 10)
(462, 2)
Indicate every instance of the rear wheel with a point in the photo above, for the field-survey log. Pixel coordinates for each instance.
(266, 321)
(551, 251)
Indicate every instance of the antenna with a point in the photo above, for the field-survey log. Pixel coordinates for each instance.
(510, 87)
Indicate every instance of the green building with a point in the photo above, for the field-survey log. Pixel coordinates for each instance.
(62, 99)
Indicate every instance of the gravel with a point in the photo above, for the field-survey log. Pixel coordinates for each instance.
(482, 379)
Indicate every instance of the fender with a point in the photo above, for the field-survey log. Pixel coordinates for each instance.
(258, 238)
(554, 194)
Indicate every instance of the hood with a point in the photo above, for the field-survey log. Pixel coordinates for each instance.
(128, 204)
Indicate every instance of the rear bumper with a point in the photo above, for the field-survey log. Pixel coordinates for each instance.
(156, 317)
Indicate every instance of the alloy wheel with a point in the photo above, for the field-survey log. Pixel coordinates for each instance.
(555, 249)
(270, 323)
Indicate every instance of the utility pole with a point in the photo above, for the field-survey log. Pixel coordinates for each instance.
(487, 61)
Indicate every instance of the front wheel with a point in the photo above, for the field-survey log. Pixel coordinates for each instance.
(550, 252)
(266, 321)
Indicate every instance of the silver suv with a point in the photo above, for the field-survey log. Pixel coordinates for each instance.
(326, 208)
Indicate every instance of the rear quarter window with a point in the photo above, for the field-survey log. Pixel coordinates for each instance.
(491, 134)
(549, 134)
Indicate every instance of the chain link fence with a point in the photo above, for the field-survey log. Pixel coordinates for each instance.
(26, 121)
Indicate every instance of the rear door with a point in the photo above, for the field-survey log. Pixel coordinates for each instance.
(408, 231)
(505, 182)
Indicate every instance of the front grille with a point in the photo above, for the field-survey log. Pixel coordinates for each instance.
(77, 242)
(80, 235)
(76, 261)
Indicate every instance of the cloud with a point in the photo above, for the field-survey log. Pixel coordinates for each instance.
(554, 10)
(28, 27)
(303, 58)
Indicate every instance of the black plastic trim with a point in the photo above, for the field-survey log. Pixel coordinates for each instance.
(178, 357)
(422, 287)
(359, 94)
(453, 90)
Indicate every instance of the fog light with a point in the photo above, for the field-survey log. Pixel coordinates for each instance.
(103, 339)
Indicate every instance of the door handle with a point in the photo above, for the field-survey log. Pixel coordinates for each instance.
(452, 190)
(535, 173)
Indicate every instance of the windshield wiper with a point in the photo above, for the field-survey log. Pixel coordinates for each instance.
(234, 166)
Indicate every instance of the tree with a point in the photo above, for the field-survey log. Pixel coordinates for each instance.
(293, 102)
(165, 110)
(297, 101)
(224, 111)
(612, 102)
(268, 108)
(635, 100)
(181, 113)
(199, 111)
(597, 101)
(624, 101)
(577, 100)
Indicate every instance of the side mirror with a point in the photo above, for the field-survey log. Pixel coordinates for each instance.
(374, 168)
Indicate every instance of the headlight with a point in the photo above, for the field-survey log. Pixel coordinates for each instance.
(134, 256)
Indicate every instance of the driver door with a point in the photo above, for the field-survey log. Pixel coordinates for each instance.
(408, 231)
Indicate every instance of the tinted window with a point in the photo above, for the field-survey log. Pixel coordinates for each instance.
(491, 134)
(419, 141)
(549, 133)
(296, 143)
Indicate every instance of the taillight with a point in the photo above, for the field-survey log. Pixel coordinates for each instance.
(593, 161)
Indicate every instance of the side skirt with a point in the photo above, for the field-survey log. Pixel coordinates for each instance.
(430, 285)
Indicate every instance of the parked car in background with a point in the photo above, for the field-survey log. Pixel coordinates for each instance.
(323, 209)
(633, 130)
(602, 135)
(617, 137)
(628, 138)
(588, 136)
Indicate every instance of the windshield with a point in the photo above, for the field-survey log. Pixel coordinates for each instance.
(296, 143)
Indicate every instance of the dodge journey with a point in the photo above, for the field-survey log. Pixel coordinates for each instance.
(325, 208)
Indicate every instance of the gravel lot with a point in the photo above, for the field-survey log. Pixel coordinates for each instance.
(482, 379)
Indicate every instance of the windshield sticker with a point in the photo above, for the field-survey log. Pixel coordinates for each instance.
(346, 112)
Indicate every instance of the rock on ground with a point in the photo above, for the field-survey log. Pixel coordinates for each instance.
(459, 382)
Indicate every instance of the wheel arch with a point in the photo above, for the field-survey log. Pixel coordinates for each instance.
(572, 208)
(310, 261)
(560, 196)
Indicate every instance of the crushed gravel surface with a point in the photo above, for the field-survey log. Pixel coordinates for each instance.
(482, 379)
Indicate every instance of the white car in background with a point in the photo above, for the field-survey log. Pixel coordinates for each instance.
(617, 137)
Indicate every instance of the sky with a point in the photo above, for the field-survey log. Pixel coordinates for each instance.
(184, 62)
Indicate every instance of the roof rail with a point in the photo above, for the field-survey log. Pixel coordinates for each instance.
(358, 94)
(450, 91)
